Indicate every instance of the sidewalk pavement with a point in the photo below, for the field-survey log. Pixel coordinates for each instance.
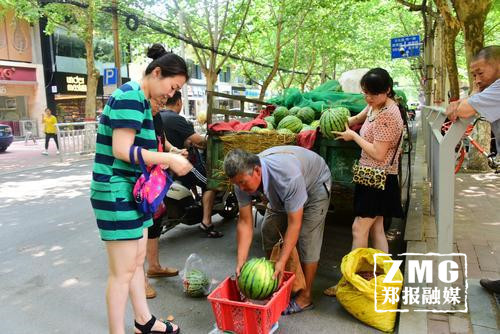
(476, 233)
(22, 156)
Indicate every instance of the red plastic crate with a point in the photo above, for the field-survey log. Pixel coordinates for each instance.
(233, 314)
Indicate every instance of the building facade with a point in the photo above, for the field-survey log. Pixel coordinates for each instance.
(22, 82)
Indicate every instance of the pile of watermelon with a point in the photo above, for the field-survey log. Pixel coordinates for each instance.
(256, 279)
(196, 283)
(299, 119)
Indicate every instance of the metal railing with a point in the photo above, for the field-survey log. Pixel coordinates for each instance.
(76, 138)
(440, 159)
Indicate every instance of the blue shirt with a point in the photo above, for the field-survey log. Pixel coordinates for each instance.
(289, 175)
(487, 104)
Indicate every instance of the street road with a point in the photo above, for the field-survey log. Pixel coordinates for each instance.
(53, 264)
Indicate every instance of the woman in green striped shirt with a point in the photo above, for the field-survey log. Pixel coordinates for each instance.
(126, 121)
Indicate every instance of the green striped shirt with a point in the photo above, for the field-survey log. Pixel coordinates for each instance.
(126, 108)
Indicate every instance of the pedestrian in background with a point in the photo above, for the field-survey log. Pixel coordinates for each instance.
(49, 123)
(379, 139)
(127, 122)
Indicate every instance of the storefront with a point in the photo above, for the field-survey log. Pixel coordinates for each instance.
(69, 91)
(22, 94)
(18, 97)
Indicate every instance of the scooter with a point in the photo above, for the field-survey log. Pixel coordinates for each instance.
(183, 206)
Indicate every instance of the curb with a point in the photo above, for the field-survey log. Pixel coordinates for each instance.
(415, 322)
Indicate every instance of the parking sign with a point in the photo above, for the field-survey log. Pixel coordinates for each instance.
(110, 76)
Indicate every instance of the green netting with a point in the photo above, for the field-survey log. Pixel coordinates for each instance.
(329, 94)
(324, 96)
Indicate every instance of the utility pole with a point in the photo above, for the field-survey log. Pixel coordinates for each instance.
(114, 27)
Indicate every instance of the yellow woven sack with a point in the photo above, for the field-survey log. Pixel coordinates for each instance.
(356, 294)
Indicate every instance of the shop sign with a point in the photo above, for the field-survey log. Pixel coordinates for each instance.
(76, 84)
(17, 73)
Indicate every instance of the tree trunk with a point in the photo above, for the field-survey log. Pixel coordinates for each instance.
(211, 78)
(92, 73)
(324, 66)
(439, 74)
(472, 15)
(450, 35)
(428, 46)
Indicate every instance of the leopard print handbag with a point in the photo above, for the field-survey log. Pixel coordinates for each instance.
(371, 176)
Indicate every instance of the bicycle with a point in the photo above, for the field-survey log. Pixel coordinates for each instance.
(462, 148)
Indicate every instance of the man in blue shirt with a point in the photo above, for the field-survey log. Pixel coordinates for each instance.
(296, 184)
(485, 68)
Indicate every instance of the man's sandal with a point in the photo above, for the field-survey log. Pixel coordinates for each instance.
(210, 231)
(147, 328)
(293, 308)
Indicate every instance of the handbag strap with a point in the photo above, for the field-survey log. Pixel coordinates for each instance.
(141, 160)
(397, 149)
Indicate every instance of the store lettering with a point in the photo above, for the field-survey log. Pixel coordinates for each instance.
(76, 84)
(6, 73)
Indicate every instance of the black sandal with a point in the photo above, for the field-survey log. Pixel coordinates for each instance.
(210, 231)
(148, 326)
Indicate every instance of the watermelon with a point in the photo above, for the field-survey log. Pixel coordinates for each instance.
(270, 119)
(293, 111)
(279, 113)
(306, 115)
(196, 283)
(306, 127)
(343, 110)
(256, 279)
(255, 129)
(292, 123)
(270, 125)
(315, 124)
(332, 121)
(284, 132)
(266, 130)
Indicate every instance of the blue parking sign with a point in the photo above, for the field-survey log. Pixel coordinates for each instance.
(110, 76)
(405, 47)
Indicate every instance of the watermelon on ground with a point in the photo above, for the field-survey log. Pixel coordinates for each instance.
(306, 115)
(292, 123)
(279, 113)
(315, 124)
(332, 121)
(270, 125)
(196, 283)
(256, 279)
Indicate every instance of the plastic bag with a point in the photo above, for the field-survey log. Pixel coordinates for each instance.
(196, 280)
(356, 294)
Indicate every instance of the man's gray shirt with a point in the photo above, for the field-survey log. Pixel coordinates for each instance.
(289, 174)
(487, 104)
